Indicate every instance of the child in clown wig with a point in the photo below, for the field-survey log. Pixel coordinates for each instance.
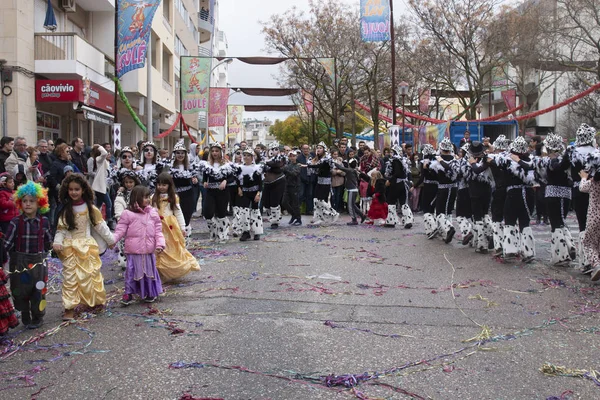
(28, 239)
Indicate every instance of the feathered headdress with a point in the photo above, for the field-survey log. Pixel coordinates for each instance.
(446, 145)
(179, 146)
(323, 145)
(428, 150)
(274, 145)
(34, 190)
(397, 149)
(216, 144)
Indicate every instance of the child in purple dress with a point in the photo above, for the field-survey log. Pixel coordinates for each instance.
(141, 227)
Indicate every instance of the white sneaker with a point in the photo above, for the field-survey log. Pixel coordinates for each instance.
(335, 217)
(317, 222)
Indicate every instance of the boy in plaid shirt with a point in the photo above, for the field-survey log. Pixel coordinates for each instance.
(28, 239)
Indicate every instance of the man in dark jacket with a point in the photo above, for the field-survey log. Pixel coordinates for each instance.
(307, 180)
(6, 147)
(291, 200)
(46, 159)
(77, 155)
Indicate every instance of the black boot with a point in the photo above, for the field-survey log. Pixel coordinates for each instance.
(256, 237)
(245, 236)
(353, 222)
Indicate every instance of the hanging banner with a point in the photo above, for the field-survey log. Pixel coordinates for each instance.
(329, 65)
(510, 98)
(135, 20)
(499, 76)
(235, 115)
(217, 109)
(116, 136)
(375, 20)
(195, 73)
(424, 96)
(308, 101)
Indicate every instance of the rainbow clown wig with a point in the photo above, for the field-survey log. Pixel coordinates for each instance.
(34, 190)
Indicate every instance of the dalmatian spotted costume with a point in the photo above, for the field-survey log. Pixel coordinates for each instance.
(446, 168)
(463, 200)
(518, 240)
(555, 171)
(499, 194)
(215, 176)
(581, 155)
(274, 184)
(397, 173)
(591, 240)
(249, 181)
(324, 212)
(429, 191)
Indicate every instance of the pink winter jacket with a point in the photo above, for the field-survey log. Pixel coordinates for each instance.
(142, 231)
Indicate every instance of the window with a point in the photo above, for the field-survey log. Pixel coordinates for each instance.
(166, 65)
(182, 10)
(180, 49)
(167, 9)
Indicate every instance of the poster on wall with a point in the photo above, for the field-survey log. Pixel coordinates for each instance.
(235, 115)
(194, 84)
(217, 114)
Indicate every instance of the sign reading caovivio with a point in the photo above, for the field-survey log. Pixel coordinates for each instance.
(375, 20)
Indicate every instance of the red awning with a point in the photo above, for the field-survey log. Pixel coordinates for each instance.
(261, 108)
(270, 92)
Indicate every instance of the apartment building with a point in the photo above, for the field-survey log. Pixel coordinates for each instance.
(257, 131)
(59, 83)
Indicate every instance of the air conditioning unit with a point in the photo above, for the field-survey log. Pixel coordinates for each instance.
(68, 6)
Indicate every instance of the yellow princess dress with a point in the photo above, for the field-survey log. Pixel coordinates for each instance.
(175, 261)
(83, 282)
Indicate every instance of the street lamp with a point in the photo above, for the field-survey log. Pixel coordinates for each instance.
(228, 61)
(403, 92)
(478, 108)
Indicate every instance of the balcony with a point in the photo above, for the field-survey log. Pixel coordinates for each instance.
(66, 55)
(205, 24)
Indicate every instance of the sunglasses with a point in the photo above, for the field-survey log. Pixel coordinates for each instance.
(125, 157)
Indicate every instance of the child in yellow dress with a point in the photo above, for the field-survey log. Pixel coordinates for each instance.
(81, 236)
(175, 261)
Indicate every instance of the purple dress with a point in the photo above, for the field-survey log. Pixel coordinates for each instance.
(141, 276)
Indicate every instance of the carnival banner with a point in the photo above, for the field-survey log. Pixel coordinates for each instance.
(510, 98)
(375, 20)
(235, 114)
(133, 32)
(308, 101)
(217, 109)
(329, 65)
(195, 73)
(424, 96)
(432, 134)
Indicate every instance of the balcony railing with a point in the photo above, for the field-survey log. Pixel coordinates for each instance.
(205, 20)
(203, 51)
(70, 46)
(167, 86)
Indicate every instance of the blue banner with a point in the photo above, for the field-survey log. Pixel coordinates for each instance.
(375, 20)
(134, 23)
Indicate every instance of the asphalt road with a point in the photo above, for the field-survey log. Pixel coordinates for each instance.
(384, 311)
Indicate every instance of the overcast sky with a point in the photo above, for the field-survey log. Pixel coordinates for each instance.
(241, 22)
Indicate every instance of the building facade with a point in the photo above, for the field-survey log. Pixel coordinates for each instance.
(60, 84)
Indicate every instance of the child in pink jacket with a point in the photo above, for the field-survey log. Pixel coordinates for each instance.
(140, 226)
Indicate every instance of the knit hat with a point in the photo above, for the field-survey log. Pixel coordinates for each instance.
(446, 145)
(68, 168)
(501, 143)
(585, 135)
(179, 146)
(519, 145)
(553, 142)
(428, 150)
(4, 177)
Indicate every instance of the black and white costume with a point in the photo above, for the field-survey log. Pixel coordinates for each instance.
(149, 171)
(429, 191)
(249, 180)
(499, 194)
(323, 166)
(580, 156)
(446, 169)
(234, 200)
(397, 173)
(519, 201)
(182, 180)
(274, 184)
(463, 199)
(481, 184)
(217, 199)
(556, 172)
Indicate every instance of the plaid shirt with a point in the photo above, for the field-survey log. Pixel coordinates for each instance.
(29, 239)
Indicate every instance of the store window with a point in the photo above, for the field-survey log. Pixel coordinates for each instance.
(48, 126)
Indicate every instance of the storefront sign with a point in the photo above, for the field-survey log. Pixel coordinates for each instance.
(63, 90)
(92, 116)
(72, 91)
